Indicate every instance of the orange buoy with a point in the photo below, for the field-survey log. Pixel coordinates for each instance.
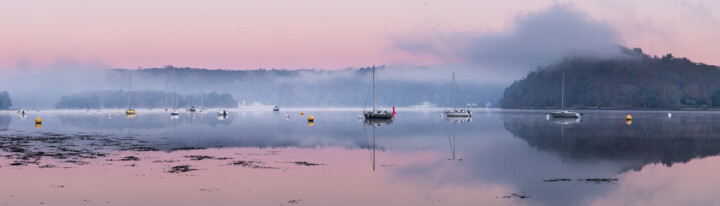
(38, 120)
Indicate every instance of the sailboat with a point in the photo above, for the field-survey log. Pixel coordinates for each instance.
(130, 110)
(376, 114)
(99, 104)
(275, 108)
(174, 111)
(166, 100)
(192, 105)
(456, 112)
(202, 100)
(564, 113)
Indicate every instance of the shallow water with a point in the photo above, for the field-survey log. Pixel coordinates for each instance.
(499, 157)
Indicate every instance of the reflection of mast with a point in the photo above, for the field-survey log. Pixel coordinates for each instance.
(202, 124)
(562, 140)
(129, 127)
(373, 148)
(451, 141)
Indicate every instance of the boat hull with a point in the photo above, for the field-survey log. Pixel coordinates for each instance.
(378, 115)
(458, 114)
(565, 114)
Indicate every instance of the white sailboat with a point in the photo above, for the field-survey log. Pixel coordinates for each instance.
(192, 105)
(275, 108)
(174, 111)
(455, 112)
(376, 114)
(564, 113)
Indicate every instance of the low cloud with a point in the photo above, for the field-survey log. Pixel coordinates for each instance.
(535, 39)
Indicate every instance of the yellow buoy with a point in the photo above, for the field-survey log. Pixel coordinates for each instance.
(311, 118)
(628, 117)
(38, 120)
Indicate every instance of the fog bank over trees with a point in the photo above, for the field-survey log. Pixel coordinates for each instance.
(395, 86)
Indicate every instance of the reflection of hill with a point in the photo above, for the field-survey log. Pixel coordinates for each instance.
(652, 140)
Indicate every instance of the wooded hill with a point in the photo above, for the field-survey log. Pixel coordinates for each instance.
(632, 81)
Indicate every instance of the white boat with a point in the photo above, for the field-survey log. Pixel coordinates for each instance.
(562, 113)
(275, 108)
(222, 112)
(376, 113)
(455, 112)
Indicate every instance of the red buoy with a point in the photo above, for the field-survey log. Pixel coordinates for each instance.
(394, 110)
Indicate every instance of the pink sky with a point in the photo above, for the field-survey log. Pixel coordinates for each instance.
(311, 34)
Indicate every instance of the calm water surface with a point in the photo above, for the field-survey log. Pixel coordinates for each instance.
(499, 157)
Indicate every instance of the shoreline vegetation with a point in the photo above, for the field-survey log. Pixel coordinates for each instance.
(631, 81)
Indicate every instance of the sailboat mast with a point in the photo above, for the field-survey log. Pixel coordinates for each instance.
(174, 98)
(275, 96)
(453, 89)
(562, 102)
(373, 88)
(130, 90)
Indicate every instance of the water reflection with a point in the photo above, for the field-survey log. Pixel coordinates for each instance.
(652, 138)
(417, 159)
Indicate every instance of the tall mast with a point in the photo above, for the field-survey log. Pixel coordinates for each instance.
(452, 86)
(373, 87)
(174, 98)
(130, 90)
(275, 96)
(562, 102)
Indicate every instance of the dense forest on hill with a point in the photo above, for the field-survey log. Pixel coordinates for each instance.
(633, 81)
(143, 99)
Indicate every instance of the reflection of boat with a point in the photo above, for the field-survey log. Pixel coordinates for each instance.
(565, 121)
(378, 122)
(452, 140)
(459, 119)
(564, 113)
(222, 116)
(376, 114)
(130, 110)
(456, 112)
